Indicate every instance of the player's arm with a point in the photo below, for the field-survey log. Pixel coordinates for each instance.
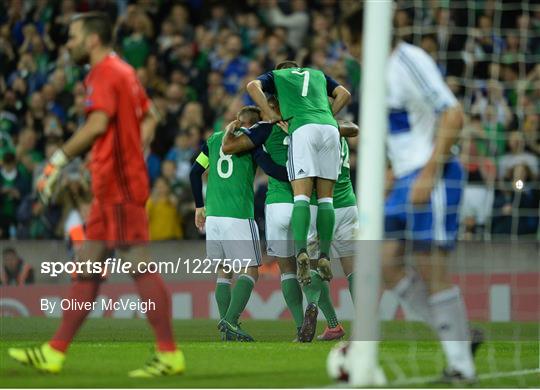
(268, 165)
(347, 129)
(247, 139)
(195, 177)
(257, 88)
(450, 124)
(82, 140)
(423, 79)
(233, 141)
(339, 93)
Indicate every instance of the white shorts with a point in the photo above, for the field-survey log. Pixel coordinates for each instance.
(345, 233)
(233, 238)
(314, 151)
(477, 203)
(279, 235)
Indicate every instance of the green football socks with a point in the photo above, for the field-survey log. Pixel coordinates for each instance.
(239, 298)
(313, 290)
(223, 295)
(326, 306)
(326, 219)
(300, 222)
(293, 297)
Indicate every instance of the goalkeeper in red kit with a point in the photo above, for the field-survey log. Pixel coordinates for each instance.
(119, 120)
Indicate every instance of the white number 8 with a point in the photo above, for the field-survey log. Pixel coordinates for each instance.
(228, 158)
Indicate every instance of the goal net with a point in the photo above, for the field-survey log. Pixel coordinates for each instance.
(488, 54)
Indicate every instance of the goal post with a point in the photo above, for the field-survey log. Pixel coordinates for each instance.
(365, 369)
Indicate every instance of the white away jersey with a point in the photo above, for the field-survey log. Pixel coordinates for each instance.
(417, 94)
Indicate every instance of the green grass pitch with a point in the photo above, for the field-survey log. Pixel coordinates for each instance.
(106, 349)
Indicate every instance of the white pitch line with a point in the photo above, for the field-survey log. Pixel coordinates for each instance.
(428, 379)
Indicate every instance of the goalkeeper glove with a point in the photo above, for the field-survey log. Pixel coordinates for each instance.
(48, 178)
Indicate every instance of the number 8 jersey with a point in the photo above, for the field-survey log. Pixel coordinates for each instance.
(229, 192)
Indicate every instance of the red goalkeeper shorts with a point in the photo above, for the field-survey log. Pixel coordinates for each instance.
(117, 224)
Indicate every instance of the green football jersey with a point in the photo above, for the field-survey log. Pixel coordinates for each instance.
(229, 192)
(343, 190)
(302, 95)
(277, 146)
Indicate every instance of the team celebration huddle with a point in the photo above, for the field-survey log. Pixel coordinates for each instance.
(292, 134)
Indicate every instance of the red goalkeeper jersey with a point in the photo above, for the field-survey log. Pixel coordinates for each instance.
(117, 163)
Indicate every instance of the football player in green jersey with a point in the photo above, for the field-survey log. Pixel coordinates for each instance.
(231, 232)
(279, 207)
(344, 235)
(314, 149)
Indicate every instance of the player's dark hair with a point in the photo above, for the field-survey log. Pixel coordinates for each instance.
(272, 99)
(96, 23)
(286, 64)
(252, 114)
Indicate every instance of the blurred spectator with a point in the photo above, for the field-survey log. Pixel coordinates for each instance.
(297, 22)
(166, 131)
(180, 21)
(182, 153)
(14, 270)
(531, 133)
(515, 209)
(517, 157)
(14, 185)
(478, 193)
(517, 201)
(26, 153)
(231, 63)
(35, 220)
(156, 83)
(163, 218)
(487, 45)
(219, 19)
(76, 115)
(136, 46)
(63, 97)
(168, 172)
(51, 105)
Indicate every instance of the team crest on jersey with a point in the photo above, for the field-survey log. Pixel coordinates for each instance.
(88, 102)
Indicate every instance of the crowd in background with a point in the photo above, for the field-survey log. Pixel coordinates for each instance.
(195, 57)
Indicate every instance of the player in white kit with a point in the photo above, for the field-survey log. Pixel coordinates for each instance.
(421, 210)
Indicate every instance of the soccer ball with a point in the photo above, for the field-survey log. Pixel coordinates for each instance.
(337, 363)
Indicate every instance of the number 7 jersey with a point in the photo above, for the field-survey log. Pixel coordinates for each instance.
(302, 94)
(229, 192)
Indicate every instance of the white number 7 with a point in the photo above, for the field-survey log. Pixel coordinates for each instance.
(305, 73)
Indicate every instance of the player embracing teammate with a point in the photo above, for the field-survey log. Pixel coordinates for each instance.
(279, 207)
(313, 163)
(231, 231)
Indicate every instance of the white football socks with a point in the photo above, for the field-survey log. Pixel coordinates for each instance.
(450, 323)
(445, 313)
(412, 294)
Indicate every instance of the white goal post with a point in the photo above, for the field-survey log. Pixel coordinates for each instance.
(364, 360)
